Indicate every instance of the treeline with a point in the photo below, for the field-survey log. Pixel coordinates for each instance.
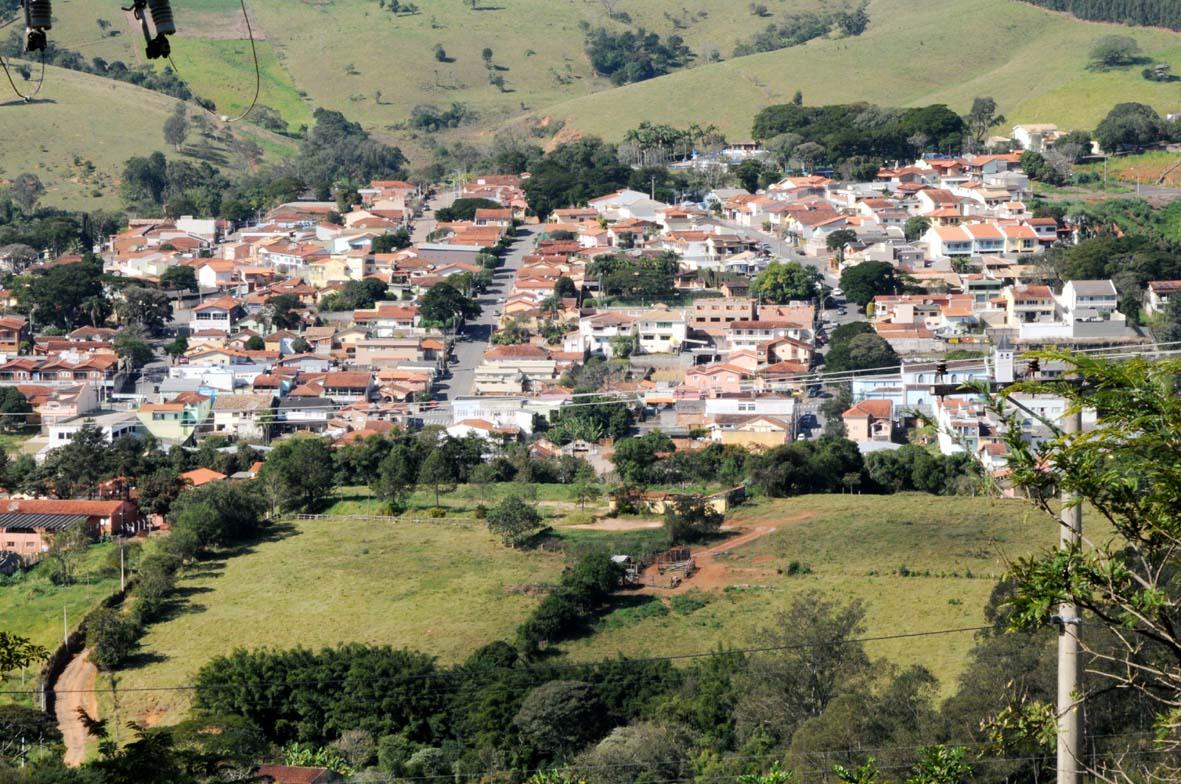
(163, 80)
(796, 29)
(335, 156)
(1147, 13)
(633, 56)
(825, 465)
(847, 131)
(812, 700)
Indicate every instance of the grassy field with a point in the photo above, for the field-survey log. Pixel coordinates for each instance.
(82, 128)
(915, 52)
(375, 66)
(1148, 168)
(449, 588)
(856, 547)
(31, 605)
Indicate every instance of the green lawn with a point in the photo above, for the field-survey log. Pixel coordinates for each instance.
(855, 547)
(31, 605)
(437, 588)
(447, 589)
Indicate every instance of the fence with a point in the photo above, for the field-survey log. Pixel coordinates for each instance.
(466, 522)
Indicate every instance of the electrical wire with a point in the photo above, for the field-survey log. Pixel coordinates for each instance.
(40, 80)
(257, 75)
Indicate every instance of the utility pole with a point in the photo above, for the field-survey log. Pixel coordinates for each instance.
(1069, 641)
(122, 573)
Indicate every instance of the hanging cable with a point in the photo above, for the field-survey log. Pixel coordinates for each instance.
(27, 98)
(257, 73)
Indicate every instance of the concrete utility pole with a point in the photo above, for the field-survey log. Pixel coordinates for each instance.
(1069, 641)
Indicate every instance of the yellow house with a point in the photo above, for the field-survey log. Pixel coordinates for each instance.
(175, 422)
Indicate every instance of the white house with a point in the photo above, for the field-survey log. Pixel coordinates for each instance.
(242, 416)
(1158, 294)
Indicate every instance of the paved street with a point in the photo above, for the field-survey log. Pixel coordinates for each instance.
(476, 335)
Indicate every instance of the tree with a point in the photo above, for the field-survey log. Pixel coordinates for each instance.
(18, 256)
(514, 521)
(14, 409)
(1127, 468)
(564, 288)
(180, 344)
(436, 472)
(783, 282)
(838, 241)
(1113, 51)
(864, 352)
(64, 294)
(982, 118)
(303, 469)
(397, 473)
(816, 658)
(176, 127)
(587, 490)
(446, 305)
(110, 636)
(24, 730)
(1129, 125)
(67, 552)
(148, 307)
(387, 243)
(144, 182)
(690, 518)
(285, 311)
(179, 277)
(25, 191)
(464, 209)
(560, 717)
(18, 652)
(638, 752)
(916, 226)
(159, 490)
(573, 173)
(132, 346)
(864, 281)
(752, 174)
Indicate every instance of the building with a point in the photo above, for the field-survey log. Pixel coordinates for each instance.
(246, 417)
(870, 420)
(1157, 295)
(14, 333)
(175, 421)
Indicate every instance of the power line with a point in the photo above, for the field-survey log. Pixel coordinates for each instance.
(257, 73)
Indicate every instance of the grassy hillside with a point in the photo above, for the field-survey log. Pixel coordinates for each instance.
(915, 52)
(79, 118)
(447, 589)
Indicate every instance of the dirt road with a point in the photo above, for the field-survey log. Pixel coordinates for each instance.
(74, 690)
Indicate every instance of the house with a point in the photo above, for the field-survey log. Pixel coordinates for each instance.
(870, 420)
(386, 319)
(1028, 304)
(216, 274)
(30, 535)
(113, 424)
(1089, 300)
(751, 432)
(104, 518)
(483, 429)
(243, 416)
(202, 476)
(304, 412)
(347, 387)
(1035, 136)
(1158, 293)
(720, 379)
(175, 421)
(217, 314)
(14, 333)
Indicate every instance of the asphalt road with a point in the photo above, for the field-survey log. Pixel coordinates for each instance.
(476, 335)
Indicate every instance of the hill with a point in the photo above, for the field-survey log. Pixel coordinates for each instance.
(446, 589)
(78, 119)
(915, 52)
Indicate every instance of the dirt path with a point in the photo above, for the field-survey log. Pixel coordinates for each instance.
(715, 574)
(75, 689)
